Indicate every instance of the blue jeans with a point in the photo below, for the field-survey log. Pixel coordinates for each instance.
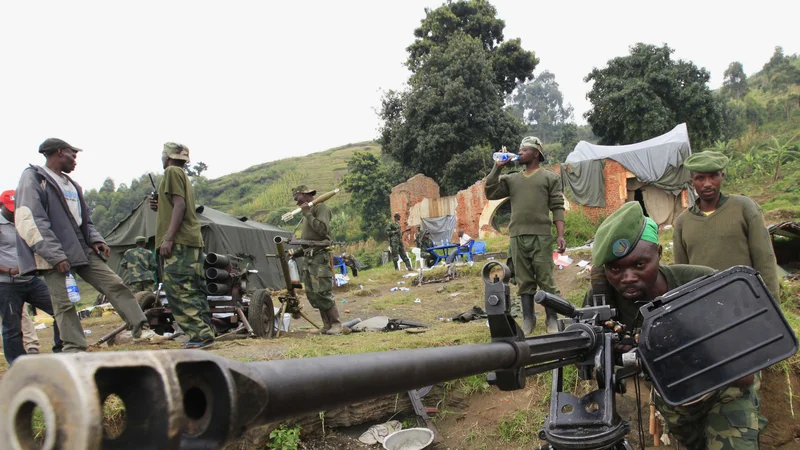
(12, 297)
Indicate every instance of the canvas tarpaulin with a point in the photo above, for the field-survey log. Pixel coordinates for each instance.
(441, 228)
(222, 234)
(656, 162)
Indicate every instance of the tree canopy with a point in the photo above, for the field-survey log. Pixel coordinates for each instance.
(461, 71)
(539, 104)
(647, 93)
(369, 183)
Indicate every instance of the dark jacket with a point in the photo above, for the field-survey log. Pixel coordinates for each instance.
(47, 232)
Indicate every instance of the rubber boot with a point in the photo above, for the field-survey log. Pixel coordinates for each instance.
(326, 323)
(333, 320)
(551, 320)
(396, 265)
(528, 314)
(408, 268)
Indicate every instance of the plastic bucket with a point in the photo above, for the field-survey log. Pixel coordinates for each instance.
(409, 439)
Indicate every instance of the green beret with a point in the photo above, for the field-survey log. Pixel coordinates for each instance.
(140, 239)
(618, 234)
(706, 162)
(534, 142)
(303, 189)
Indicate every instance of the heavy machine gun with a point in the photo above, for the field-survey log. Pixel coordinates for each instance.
(191, 399)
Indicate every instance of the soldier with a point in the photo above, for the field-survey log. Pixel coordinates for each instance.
(57, 237)
(424, 243)
(533, 193)
(396, 242)
(626, 246)
(722, 231)
(181, 247)
(140, 264)
(317, 271)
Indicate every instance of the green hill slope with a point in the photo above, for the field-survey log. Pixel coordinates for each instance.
(262, 192)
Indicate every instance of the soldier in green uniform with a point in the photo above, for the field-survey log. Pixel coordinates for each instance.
(181, 247)
(721, 231)
(139, 264)
(396, 243)
(424, 243)
(533, 193)
(626, 246)
(317, 271)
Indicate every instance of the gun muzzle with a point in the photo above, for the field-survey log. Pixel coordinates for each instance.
(218, 289)
(217, 275)
(217, 260)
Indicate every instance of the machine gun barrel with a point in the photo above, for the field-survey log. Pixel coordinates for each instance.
(192, 399)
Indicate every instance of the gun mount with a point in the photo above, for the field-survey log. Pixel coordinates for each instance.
(191, 399)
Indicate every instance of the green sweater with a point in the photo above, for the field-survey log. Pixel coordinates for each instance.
(734, 235)
(316, 223)
(532, 198)
(628, 312)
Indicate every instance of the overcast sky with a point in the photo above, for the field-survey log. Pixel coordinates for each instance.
(246, 82)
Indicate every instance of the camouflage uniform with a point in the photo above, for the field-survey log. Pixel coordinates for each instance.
(396, 245)
(139, 264)
(729, 420)
(424, 243)
(183, 278)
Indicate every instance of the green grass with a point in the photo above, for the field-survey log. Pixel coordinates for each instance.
(520, 427)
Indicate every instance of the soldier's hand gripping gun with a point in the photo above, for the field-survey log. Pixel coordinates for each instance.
(321, 199)
(192, 399)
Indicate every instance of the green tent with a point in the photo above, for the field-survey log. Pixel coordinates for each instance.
(222, 234)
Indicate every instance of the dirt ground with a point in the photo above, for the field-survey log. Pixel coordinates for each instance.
(487, 418)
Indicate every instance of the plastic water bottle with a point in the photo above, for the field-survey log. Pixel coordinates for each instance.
(72, 289)
(504, 156)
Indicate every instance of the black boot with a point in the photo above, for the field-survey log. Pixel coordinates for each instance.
(528, 314)
(551, 320)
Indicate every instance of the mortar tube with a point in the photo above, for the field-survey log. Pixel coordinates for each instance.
(284, 265)
(350, 324)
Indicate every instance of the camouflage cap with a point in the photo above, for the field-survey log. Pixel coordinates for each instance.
(618, 234)
(303, 189)
(174, 150)
(534, 142)
(140, 239)
(706, 162)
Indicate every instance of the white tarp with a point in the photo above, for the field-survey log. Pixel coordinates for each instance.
(649, 160)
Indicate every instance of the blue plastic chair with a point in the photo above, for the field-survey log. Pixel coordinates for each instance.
(338, 262)
(479, 248)
(468, 251)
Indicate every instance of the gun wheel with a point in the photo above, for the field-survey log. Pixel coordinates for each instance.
(145, 299)
(261, 314)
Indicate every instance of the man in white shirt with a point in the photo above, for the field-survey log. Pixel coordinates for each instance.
(463, 242)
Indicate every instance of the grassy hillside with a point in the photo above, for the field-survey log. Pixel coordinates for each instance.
(263, 191)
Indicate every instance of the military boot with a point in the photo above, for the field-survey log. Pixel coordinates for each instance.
(528, 314)
(326, 323)
(551, 320)
(333, 320)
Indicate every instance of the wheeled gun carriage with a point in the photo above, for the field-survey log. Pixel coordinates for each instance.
(693, 340)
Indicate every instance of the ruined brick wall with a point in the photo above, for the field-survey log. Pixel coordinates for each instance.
(471, 202)
(406, 195)
(616, 179)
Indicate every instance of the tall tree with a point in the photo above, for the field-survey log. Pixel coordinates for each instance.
(647, 93)
(735, 80)
(540, 105)
(461, 71)
(369, 183)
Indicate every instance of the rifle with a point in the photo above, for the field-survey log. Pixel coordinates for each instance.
(193, 399)
(315, 244)
(154, 194)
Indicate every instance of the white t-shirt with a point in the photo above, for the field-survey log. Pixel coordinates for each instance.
(464, 240)
(70, 194)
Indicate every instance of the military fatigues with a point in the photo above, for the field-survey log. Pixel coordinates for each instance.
(727, 419)
(317, 272)
(183, 281)
(139, 264)
(396, 245)
(424, 243)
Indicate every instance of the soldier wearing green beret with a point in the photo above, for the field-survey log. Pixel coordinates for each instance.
(626, 247)
(722, 231)
(317, 271)
(180, 244)
(534, 193)
(139, 265)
